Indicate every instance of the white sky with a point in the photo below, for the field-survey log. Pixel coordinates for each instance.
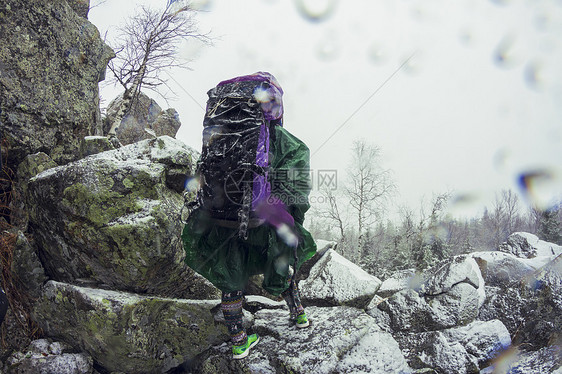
(453, 119)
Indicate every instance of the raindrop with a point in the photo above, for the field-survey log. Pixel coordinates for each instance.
(500, 2)
(532, 75)
(201, 5)
(504, 55)
(327, 51)
(542, 22)
(376, 54)
(192, 184)
(500, 158)
(328, 48)
(287, 235)
(540, 187)
(316, 10)
(464, 204)
(466, 37)
(412, 65)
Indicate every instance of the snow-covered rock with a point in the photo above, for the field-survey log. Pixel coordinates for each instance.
(532, 309)
(542, 361)
(460, 350)
(442, 277)
(322, 246)
(339, 340)
(45, 356)
(501, 268)
(450, 295)
(334, 280)
(398, 281)
(525, 245)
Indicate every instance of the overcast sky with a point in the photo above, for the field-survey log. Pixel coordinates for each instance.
(478, 103)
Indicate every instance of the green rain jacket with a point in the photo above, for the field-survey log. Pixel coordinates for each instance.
(227, 261)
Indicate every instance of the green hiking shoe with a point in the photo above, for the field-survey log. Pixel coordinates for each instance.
(241, 351)
(302, 321)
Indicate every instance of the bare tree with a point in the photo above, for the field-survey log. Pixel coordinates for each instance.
(369, 186)
(147, 46)
(333, 212)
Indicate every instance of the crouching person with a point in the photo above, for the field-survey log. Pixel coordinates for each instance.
(252, 195)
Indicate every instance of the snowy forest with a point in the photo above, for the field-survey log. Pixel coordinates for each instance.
(353, 214)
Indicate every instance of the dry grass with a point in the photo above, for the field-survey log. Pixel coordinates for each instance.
(20, 303)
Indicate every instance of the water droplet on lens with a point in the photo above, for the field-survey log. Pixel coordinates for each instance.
(466, 37)
(541, 187)
(316, 10)
(201, 5)
(532, 75)
(542, 22)
(328, 49)
(192, 184)
(413, 65)
(464, 204)
(500, 158)
(500, 2)
(504, 55)
(376, 54)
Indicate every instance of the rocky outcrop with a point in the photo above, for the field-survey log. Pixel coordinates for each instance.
(113, 220)
(95, 144)
(334, 280)
(534, 304)
(525, 245)
(46, 356)
(450, 294)
(435, 323)
(51, 62)
(128, 332)
(30, 166)
(340, 340)
(26, 267)
(145, 120)
(461, 350)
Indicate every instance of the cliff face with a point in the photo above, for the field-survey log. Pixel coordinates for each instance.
(51, 60)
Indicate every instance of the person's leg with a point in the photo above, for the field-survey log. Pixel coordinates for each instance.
(231, 307)
(292, 297)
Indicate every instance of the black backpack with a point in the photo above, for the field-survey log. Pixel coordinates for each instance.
(233, 168)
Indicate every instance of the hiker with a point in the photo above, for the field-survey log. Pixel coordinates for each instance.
(254, 181)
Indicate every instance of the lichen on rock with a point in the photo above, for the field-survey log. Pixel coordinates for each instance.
(111, 218)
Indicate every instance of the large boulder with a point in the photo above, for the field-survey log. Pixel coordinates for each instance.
(334, 280)
(531, 308)
(145, 114)
(544, 360)
(339, 340)
(447, 295)
(46, 356)
(26, 268)
(30, 166)
(502, 269)
(525, 245)
(52, 61)
(113, 220)
(460, 350)
(442, 277)
(398, 281)
(126, 332)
